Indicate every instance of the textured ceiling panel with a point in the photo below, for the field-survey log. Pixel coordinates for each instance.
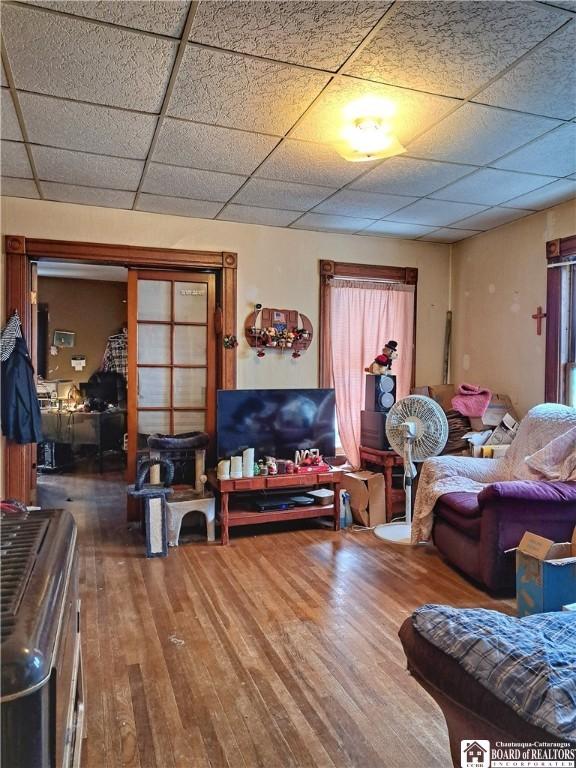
(494, 217)
(347, 202)
(249, 215)
(15, 160)
(414, 111)
(178, 206)
(18, 188)
(86, 170)
(63, 56)
(10, 125)
(164, 17)
(316, 34)
(449, 235)
(87, 127)
(323, 222)
(210, 147)
(543, 82)
(452, 48)
(478, 134)
(67, 193)
(406, 176)
(397, 229)
(188, 182)
(283, 195)
(545, 197)
(310, 163)
(491, 187)
(241, 92)
(553, 154)
(436, 213)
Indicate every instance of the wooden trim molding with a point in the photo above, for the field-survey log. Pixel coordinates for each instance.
(557, 252)
(333, 269)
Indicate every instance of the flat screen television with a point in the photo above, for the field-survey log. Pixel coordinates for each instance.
(275, 422)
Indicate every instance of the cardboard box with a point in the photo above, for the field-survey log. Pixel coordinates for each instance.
(499, 406)
(441, 393)
(367, 497)
(545, 574)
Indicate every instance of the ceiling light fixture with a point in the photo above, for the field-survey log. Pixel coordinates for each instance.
(367, 132)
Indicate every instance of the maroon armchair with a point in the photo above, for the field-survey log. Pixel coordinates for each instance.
(475, 532)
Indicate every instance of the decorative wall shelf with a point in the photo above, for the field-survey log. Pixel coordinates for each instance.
(284, 329)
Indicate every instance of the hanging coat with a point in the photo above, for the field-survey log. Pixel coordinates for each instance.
(21, 420)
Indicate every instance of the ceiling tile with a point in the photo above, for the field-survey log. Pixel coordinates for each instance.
(240, 92)
(63, 56)
(164, 17)
(210, 147)
(452, 48)
(279, 194)
(396, 229)
(86, 127)
(18, 188)
(67, 193)
(86, 170)
(250, 215)
(187, 182)
(347, 202)
(435, 213)
(319, 221)
(491, 218)
(407, 176)
(10, 125)
(315, 34)
(490, 187)
(414, 111)
(14, 160)
(310, 163)
(545, 197)
(543, 82)
(178, 206)
(447, 235)
(478, 134)
(553, 154)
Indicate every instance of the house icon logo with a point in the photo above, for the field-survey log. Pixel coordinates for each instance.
(474, 754)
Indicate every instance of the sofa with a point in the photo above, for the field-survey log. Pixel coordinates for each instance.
(526, 490)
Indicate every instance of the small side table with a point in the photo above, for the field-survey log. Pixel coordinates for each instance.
(387, 460)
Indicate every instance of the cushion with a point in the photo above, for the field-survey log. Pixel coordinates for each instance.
(463, 503)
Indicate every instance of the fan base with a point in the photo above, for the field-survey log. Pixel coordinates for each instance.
(396, 533)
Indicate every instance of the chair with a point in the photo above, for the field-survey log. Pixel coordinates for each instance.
(184, 451)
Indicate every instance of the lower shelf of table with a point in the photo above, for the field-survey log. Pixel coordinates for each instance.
(252, 517)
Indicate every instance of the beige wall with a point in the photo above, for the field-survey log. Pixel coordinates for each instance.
(499, 278)
(277, 267)
(92, 309)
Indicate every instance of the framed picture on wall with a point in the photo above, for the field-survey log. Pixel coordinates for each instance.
(64, 338)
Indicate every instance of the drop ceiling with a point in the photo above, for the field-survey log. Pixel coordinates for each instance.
(227, 110)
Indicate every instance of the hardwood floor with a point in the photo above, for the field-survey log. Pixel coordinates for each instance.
(279, 651)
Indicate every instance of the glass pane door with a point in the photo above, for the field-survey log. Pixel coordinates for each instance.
(172, 356)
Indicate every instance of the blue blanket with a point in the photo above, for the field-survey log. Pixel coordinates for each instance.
(528, 663)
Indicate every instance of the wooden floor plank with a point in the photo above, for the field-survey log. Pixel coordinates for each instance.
(279, 651)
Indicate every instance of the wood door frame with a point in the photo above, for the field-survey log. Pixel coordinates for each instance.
(19, 461)
(558, 252)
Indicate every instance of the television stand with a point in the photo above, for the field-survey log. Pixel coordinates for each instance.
(233, 512)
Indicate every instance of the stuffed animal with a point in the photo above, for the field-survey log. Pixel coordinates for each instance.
(383, 363)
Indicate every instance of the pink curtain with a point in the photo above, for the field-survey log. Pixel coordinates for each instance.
(364, 315)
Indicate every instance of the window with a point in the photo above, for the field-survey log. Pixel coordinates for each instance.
(362, 308)
(561, 322)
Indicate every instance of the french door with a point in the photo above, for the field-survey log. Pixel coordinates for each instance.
(171, 356)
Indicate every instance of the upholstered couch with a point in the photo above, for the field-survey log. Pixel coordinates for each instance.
(475, 530)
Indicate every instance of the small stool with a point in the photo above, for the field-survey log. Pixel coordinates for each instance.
(154, 497)
(179, 504)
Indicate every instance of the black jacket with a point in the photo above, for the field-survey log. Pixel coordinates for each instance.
(21, 420)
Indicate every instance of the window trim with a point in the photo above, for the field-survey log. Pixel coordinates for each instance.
(331, 269)
(558, 252)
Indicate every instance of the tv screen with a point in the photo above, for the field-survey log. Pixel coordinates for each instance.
(275, 422)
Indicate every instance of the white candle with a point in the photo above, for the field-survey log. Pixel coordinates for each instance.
(236, 467)
(223, 471)
(248, 462)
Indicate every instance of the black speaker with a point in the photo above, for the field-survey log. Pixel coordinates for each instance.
(380, 392)
(373, 430)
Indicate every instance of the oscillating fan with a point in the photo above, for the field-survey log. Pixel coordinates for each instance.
(416, 428)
